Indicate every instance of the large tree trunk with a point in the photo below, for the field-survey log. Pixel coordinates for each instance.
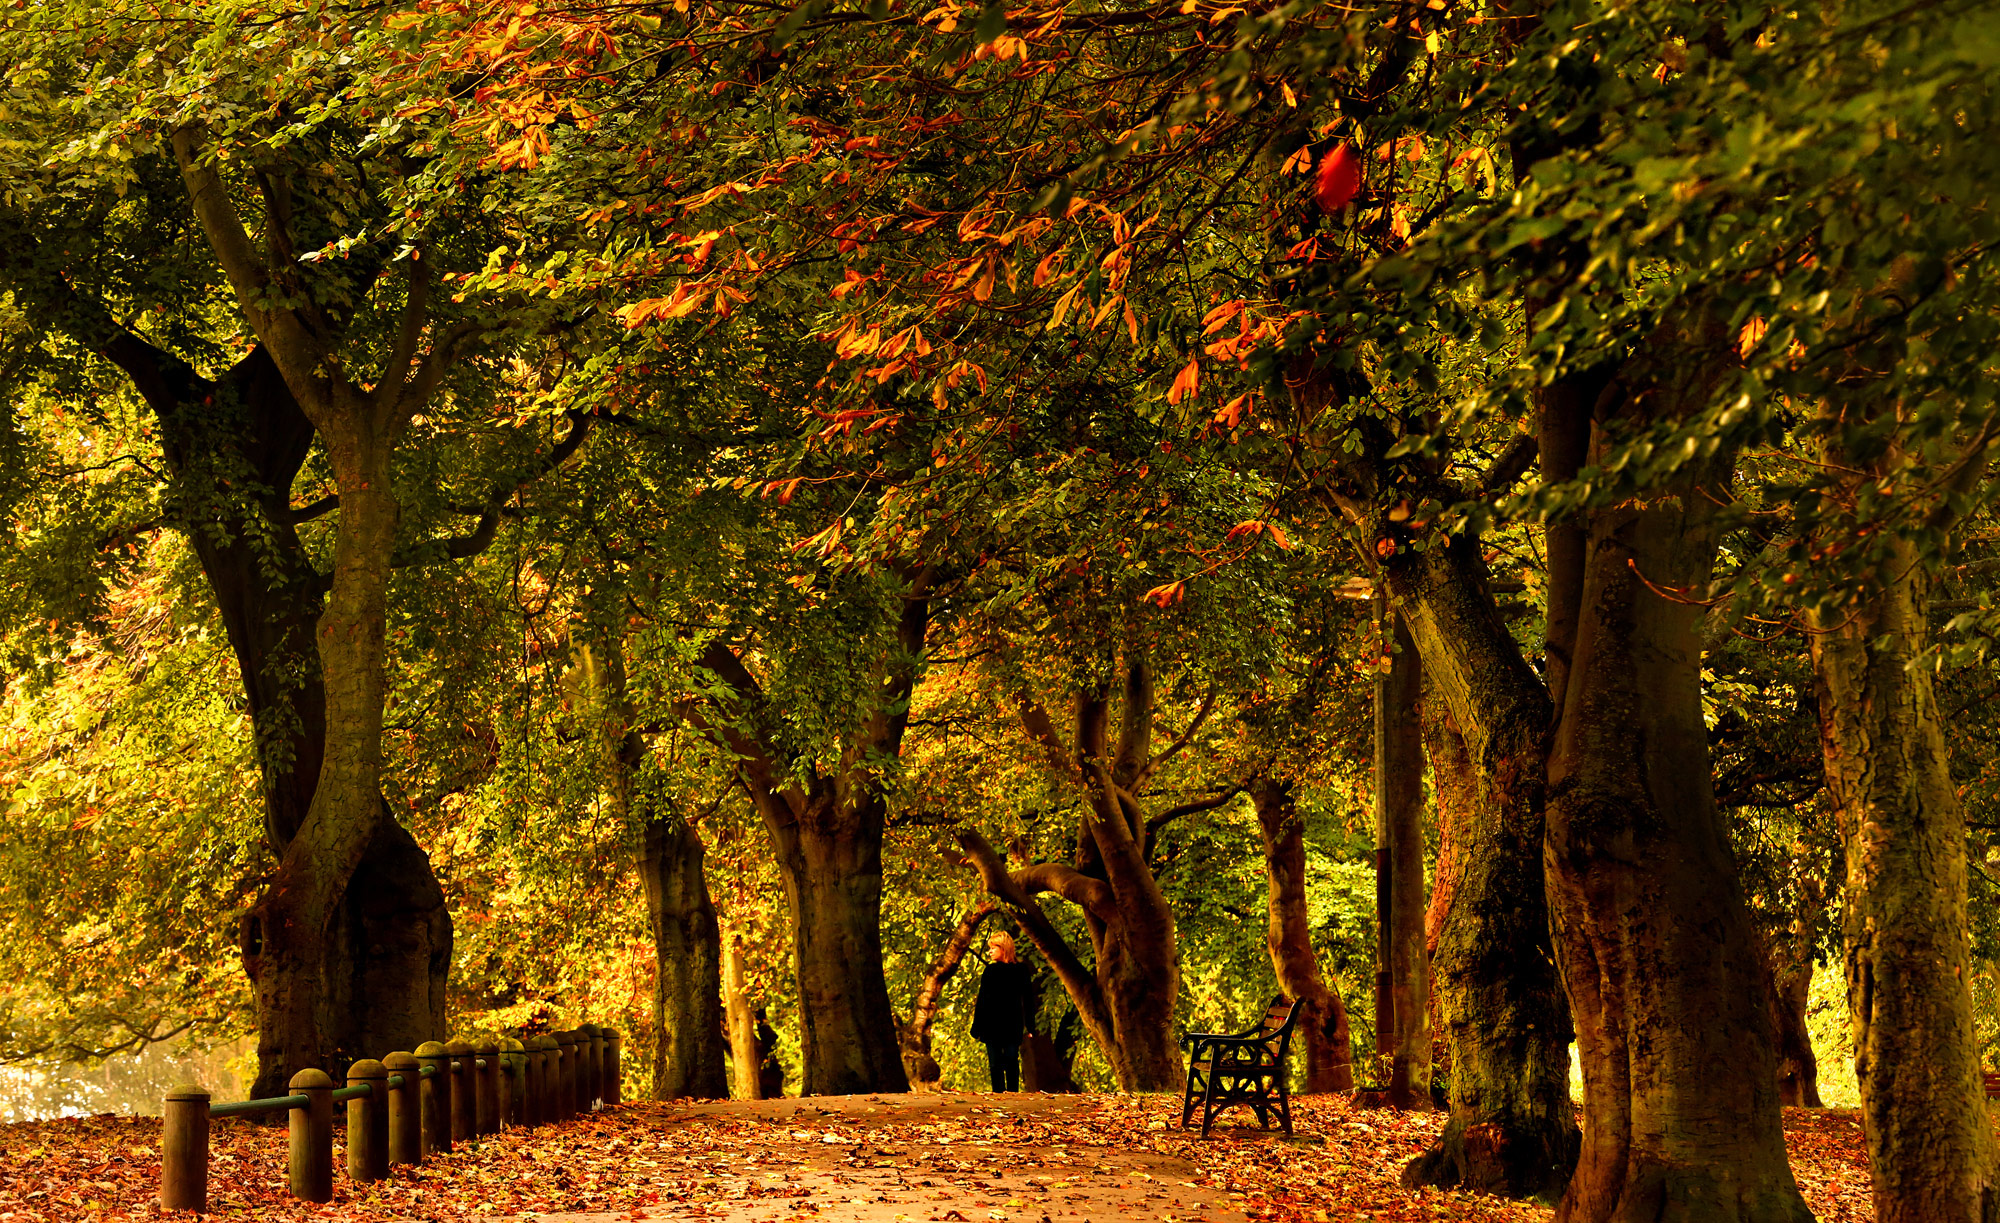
(832, 867)
(1455, 791)
(1402, 979)
(1288, 934)
(1658, 953)
(1903, 923)
(687, 947)
(827, 837)
(380, 969)
(1512, 1130)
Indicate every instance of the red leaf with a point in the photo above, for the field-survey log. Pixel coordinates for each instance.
(1339, 178)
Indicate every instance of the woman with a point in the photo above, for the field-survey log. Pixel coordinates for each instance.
(1000, 1015)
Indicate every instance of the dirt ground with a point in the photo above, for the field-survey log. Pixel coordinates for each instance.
(938, 1158)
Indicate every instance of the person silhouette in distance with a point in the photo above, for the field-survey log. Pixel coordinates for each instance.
(1000, 1013)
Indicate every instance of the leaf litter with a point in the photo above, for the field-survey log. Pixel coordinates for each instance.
(936, 1158)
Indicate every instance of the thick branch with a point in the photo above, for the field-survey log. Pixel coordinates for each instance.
(1082, 987)
(1081, 890)
(945, 966)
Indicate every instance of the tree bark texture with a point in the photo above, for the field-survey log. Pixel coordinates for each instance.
(1512, 1130)
(1455, 792)
(1402, 978)
(687, 946)
(1658, 952)
(1907, 957)
(1329, 1051)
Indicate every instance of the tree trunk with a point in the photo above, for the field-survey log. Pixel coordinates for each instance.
(745, 1058)
(346, 813)
(827, 835)
(1455, 791)
(1798, 1068)
(1288, 934)
(1402, 978)
(1512, 1130)
(1658, 953)
(1128, 996)
(831, 861)
(381, 967)
(687, 947)
(1903, 921)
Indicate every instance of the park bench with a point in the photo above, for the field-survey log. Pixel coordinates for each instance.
(1247, 1067)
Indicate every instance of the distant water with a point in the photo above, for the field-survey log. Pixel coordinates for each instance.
(133, 1084)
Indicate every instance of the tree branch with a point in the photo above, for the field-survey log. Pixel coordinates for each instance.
(462, 547)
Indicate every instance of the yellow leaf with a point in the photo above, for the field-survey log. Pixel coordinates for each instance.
(1063, 304)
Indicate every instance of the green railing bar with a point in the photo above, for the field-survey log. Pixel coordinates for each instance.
(250, 1108)
(353, 1093)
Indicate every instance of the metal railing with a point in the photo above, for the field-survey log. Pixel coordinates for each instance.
(402, 1108)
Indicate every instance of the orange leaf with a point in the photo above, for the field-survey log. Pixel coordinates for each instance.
(1186, 381)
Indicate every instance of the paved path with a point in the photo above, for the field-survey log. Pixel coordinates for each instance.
(941, 1158)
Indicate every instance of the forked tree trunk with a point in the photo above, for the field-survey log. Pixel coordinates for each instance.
(745, 1058)
(1329, 1051)
(1903, 921)
(1127, 997)
(826, 833)
(1402, 980)
(1659, 957)
(1512, 1130)
(687, 947)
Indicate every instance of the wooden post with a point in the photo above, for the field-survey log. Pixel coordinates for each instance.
(312, 1137)
(545, 1079)
(434, 1100)
(184, 1149)
(514, 1082)
(486, 1119)
(368, 1122)
(598, 1047)
(464, 1100)
(565, 1076)
(586, 1067)
(406, 1133)
(614, 1067)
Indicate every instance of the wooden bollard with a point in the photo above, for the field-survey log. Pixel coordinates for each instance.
(486, 1110)
(544, 1094)
(368, 1122)
(434, 1098)
(586, 1067)
(406, 1133)
(596, 1064)
(614, 1068)
(464, 1092)
(513, 1083)
(184, 1149)
(566, 1074)
(312, 1137)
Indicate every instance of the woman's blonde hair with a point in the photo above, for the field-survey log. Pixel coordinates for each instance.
(1002, 944)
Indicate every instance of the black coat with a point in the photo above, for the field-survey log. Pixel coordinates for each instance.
(1000, 1015)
